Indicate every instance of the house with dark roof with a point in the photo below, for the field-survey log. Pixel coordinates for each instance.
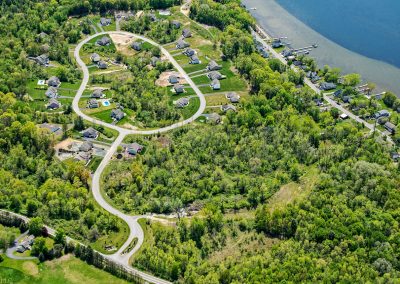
(173, 79)
(154, 61)
(395, 156)
(42, 60)
(134, 149)
(287, 53)
(189, 52)
(182, 102)
(86, 146)
(52, 92)
(228, 107)
(176, 24)
(53, 104)
(98, 94)
(390, 127)
(346, 99)
(137, 45)
(181, 44)
(194, 59)
(186, 33)
(95, 57)
(262, 51)
(104, 41)
(105, 21)
(90, 133)
(102, 65)
(92, 103)
(325, 86)
(214, 117)
(54, 82)
(233, 97)
(215, 84)
(277, 43)
(117, 114)
(178, 88)
(214, 75)
(213, 66)
(382, 113)
(153, 17)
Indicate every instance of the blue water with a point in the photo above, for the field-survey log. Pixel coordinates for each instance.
(368, 27)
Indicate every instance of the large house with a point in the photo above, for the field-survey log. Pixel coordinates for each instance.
(228, 107)
(382, 113)
(92, 103)
(52, 92)
(104, 41)
(53, 82)
(42, 60)
(173, 79)
(390, 127)
(214, 75)
(86, 146)
(176, 24)
(95, 58)
(134, 149)
(181, 44)
(117, 114)
(186, 33)
(98, 94)
(105, 21)
(215, 84)
(213, 66)
(90, 133)
(102, 65)
(53, 104)
(178, 88)
(189, 52)
(137, 45)
(194, 59)
(182, 102)
(233, 97)
(325, 86)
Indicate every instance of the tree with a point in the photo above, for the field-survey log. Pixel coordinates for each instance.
(60, 237)
(352, 79)
(389, 99)
(35, 226)
(39, 247)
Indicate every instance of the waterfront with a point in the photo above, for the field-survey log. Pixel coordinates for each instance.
(279, 22)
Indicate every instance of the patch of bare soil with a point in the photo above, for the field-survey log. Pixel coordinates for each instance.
(122, 43)
(163, 81)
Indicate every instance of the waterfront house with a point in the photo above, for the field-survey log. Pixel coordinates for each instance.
(117, 114)
(194, 59)
(213, 66)
(287, 53)
(92, 103)
(178, 88)
(98, 94)
(53, 104)
(390, 127)
(186, 33)
(104, 41)
(105, 21)
(233, 97)
(90, 133)
(95, 58)
(53, 82)
(51, 92)
(325, 86)
(102, 65)
(182, 102)
(214, 75)
(215, 84)
(181, 44)
(137, 45)
(228, 107)
(173, 79)
(277, 43)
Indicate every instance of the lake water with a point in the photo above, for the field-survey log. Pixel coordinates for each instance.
(360, 36)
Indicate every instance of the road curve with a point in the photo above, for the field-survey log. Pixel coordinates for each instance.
(132, 221)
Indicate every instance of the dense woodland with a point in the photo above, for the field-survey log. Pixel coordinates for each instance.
(344, 229)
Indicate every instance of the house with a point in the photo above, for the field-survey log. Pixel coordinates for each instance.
(182, 102)
(42, 60)
(92, 103)
(344, 116)
(318, 102)
(178, 88)
(194, 59)
(134, 148)
(51, 92)
(154, 61)
(277, 43)
(104, 41)
(189, 52)
(86, 146)
(263, 51)
(395, 156)
(215, 84)
(52, 128)
(213, 66)
(54, 82)
(214, 117)
(176, 24)
(105, 21)
(98, 94)
(186, 33)
(102, 65)
(181, 44)
(95, 58)
(117, 114)
(287, 53)
(214, 75)
(325, 86)
(338, 93)
(137, 45)
(382, 113)
(153, 17)
(346, 99)
(53, 104)
(228, 107)
(90, 133)
(233, 97)
(173, 79)
(390, 127)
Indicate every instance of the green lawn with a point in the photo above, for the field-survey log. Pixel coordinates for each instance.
(66, 270)
(104, 115)
(191, 109)
(116, 239)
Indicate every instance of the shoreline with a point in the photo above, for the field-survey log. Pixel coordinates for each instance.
(273, 19)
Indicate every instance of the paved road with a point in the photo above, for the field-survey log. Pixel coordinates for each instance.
(132, 221)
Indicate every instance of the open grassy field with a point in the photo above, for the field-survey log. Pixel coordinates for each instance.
(116, 239)
(66, 270)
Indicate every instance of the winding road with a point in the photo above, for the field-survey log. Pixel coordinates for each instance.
(132, 221)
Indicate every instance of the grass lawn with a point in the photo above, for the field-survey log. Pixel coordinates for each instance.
(116, 239)
(94, 163)
(191, 109)
(104, 115)
(66, 270)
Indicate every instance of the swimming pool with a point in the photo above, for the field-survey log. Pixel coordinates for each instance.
(106, 103)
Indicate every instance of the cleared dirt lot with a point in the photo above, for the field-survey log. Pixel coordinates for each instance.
(122, 43)
(163, 80)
